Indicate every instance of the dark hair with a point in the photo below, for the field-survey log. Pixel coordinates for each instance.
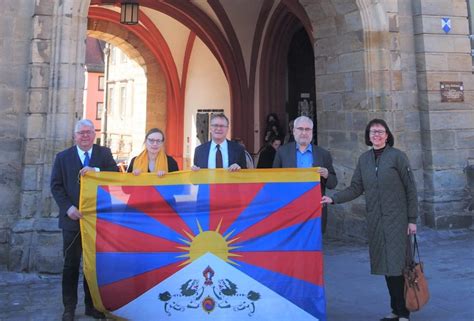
(381, 122)
(154, 130)
(274, 138)
(220, 115)
(275, 117)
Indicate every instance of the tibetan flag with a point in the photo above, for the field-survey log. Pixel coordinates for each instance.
(205, 245)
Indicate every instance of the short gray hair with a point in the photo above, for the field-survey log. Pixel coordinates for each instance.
(301, 119)
(83, 122)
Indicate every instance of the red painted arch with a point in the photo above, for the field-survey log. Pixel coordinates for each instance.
(244, 117)
(297, 9)
(203, 26)
(154, 41)
(256, 45)
(280, 30)
(187, 57)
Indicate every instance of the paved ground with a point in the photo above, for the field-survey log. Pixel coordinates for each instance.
(352, 294)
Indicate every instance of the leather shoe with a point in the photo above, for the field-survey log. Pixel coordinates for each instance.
(389, 319)
(93, 312)
(68, 315)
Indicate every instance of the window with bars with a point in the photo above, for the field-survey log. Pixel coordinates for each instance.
(101, 83)
(99, 110)
(123, 101)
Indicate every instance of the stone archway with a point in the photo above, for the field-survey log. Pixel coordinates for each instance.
(166, 90)
(282, 26)
(156, 109)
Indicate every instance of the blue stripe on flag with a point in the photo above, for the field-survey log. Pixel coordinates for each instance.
(272, 197)
(191, 202)
(113, 267)
(305, 295)
(300, 237)
(119, 213)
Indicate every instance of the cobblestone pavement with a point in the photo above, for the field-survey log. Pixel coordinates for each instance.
(352, 294)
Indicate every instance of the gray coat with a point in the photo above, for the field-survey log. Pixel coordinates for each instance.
(286, 158)
(391, 203)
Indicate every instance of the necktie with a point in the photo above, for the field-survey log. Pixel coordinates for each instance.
(218, 157)
(86, 159)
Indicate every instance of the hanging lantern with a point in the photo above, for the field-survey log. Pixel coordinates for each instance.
(129, 12)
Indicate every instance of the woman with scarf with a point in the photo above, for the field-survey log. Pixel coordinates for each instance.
(153, 158)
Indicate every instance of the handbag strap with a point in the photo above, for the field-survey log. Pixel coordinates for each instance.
(409, 258)
(412, 250)
(416, 251)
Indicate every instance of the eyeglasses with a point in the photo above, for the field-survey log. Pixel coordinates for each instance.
(215, 126)
(304, 129)
(85, 132)
(154, 141)
(377, 132)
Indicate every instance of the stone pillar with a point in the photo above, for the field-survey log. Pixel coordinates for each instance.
(365, 69)
(15, 32)
(447, 127)
(54, 102)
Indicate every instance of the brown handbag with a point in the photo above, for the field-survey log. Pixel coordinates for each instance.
(416, 287)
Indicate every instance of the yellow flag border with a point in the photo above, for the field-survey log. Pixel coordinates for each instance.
(92, 180)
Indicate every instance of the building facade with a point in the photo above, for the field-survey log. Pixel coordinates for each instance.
(407, 61)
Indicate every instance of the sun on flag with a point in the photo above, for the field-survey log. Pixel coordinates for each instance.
(216, 244)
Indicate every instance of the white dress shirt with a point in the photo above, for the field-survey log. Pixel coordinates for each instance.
(211, 161)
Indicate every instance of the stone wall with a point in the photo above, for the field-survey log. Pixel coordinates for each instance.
(365, 69)
(15, 34)
(380, 58)
(447, 127)
(52, 57)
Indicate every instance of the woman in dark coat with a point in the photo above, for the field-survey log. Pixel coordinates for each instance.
(267, 154)
(384, 175)
(153, 158)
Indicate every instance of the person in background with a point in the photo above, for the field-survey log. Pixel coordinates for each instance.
(267, 154)
(248, 158)
(272, 127)
(303, 154)
(69, 166)
(383, 174)
(289, 135)
(153, 158)
(219, 152)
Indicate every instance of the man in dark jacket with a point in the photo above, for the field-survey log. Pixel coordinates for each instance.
(219, 152)
(302, 154)
(68, 167)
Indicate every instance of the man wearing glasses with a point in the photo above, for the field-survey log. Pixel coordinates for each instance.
(219, 152)
(68, 167)
(303, 154)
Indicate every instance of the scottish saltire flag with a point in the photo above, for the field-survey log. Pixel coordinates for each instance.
(206, 245)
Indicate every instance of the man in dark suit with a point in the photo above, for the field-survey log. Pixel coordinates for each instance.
(302, 154)
(219, 152)
(68, 166)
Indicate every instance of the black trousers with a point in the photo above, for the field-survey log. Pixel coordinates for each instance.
(72, 250)
(324, 219)
(396, 289)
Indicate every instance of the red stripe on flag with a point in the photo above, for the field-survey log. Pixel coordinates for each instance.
(115, 238)
(147, 200)
(302, 265)
(227, 201)
(120, 293)
(293, 213)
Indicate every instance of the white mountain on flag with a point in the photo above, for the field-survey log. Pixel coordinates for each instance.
(211, 289)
